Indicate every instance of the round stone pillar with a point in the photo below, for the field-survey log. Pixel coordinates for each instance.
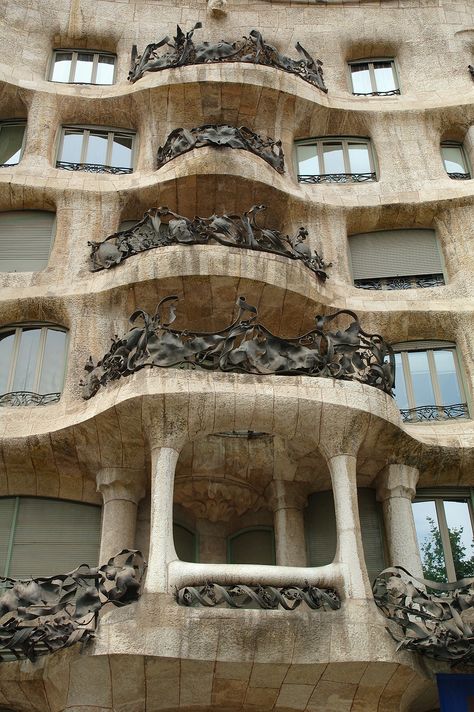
(288, 502)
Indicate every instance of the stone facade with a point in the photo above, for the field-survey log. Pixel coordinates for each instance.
(151, 443)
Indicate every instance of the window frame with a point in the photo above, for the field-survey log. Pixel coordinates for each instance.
(86, 131)
(373, 82)
(72, 69)
(439, 496)
(43, 327)
(457, 176)
(320, 141)
(14, 122)
(429, 347)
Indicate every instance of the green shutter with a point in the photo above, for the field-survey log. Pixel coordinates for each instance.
(320, 527)
(25, 240)
(371, 528)
(7, 513)
(254, 546)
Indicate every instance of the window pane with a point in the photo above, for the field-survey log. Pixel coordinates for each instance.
(429, 541)
(84, 64)
(359, 158)
(333, 158)
(25, 367)
(62, 67)
(460, 535)
(453, 158)
(384, 76)
(6, 349)
(400, 390)
(11, 140)
(308, 162)
(52, 371)
(97, 148)
(105, 70)
(72, 146)
(421, 378)
(361, 79)
(122, 151)
(447, 377)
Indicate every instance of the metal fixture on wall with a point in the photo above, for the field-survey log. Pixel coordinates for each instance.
(246, 346)
(42, 615)
(182, 140)
(16, 398)
(161, 227)
(266, 597)
(252, 49)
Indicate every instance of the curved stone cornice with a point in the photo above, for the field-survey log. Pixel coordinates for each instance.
(216, 500)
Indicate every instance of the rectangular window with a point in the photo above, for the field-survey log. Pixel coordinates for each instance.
(12, 137)
(455, 161)
(374, 78)
(96, 150)
(82, 67)
(344, 160)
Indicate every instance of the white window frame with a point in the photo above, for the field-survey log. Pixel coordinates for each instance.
(373, 81)
(86, 132)
(467, 175)
(72, 69)
(320, 141)
(18, 329)
(15, 122)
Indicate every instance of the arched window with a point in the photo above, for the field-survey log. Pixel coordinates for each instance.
(96, 149)
(335, 159)
(185, 543)
(32, 364)
(374, 77)
(255, 545)
(43, 537)
(71, 66)
(25, 240)
(455, 160)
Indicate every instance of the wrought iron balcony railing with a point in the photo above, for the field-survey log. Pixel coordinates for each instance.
(28, 398)
(211, 595)
(8, 165)
(460, 176)
(418, 281)
(93, 168)
(338, 178)
(392, 92)
(434, 412)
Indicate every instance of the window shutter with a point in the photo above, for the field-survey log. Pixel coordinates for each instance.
(7, 509)
(184, 543)
(25, 240)
(252, 547)
(53, 537)
(320, 525)
(372, 538)
(394, 253)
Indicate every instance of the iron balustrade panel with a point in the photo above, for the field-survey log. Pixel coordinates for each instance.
(93, 168)
(460, 176)
(392, 92)
(266, 597)
(338, 178)
(424, 281)
(434, 412)
(20, 398)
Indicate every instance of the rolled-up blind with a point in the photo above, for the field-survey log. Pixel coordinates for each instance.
(371, 528)
(394, 253)
(25, 240)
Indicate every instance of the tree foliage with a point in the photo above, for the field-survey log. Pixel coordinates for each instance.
(432, 554)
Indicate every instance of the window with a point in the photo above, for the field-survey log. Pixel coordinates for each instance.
(185, 543)
(32, 364)
(374, 77)
(12, 136)
(44, 537)
(252, 546)
(82, 67)
(444, 527)
(335, 160)
(96, 150)
(455, 161)
(25, 240)
(428, 384)
(396, 259)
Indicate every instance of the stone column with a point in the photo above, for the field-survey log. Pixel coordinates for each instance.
(288, 501)
(396, 487)
(122, 488)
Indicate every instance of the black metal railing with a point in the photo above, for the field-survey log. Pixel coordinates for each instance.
(211, 595)
(338, 178)
(92, 168)
(423, 281)
(434, 412)
(460, 176)
(8, 165)
(28, 398)
(392, 92)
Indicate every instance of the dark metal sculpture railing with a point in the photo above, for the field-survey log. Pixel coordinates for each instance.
(338, 178)
(42, 615)
(8, 165)
(161, 227)
(437, 624)
(253, 49)
(246, 346)
(16, 398)
(221, 136)
(289, 598)
(423, 281)
(392, 92)
(93, 168)
(434, 412)
(460, 176)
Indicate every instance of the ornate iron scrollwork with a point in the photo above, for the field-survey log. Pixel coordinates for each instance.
(460, 176)
(245, 346)
(17, 398)
(434, 412)
(161, 227)
(42, 615)
(439, 624)
(424, 281)
(392, 92)
(221, 136)
(92, 168)
(338, 178)
(252, 49)
(266, 597)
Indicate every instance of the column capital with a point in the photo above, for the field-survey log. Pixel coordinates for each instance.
(121, 483)
(283, 494)
(397, 481)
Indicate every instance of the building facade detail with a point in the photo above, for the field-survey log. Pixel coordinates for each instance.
(289, 598)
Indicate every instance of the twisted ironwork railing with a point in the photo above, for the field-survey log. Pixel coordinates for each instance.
(460, 176)
(289, 598)
(434, 412)
(392, 92)
(424, 281)
(18, 398)
(92, 167)
(338, 178)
